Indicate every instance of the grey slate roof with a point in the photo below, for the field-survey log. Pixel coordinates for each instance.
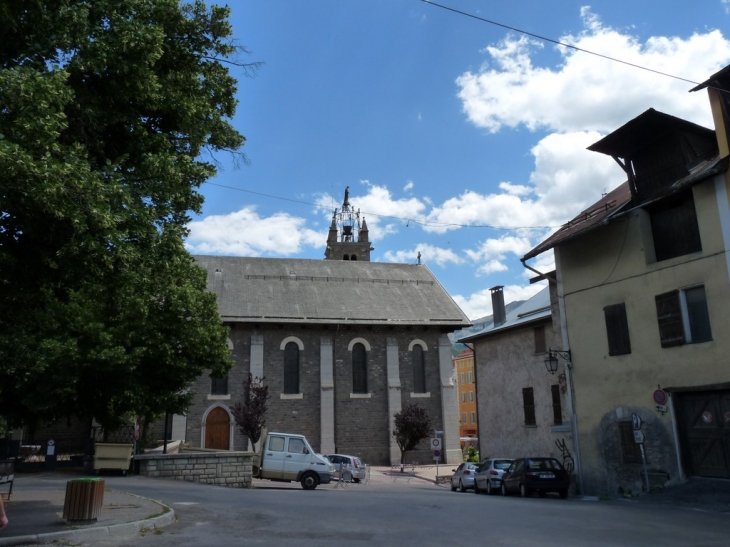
(534, 309)
(286, 290)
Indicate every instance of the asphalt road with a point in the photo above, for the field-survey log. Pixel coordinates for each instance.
(404, 514)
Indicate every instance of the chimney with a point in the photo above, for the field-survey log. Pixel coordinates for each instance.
(499, 314)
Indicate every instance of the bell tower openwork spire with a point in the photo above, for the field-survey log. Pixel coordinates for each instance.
(348, 237)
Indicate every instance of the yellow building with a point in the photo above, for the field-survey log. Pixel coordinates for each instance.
(464, 370)
(643, 279)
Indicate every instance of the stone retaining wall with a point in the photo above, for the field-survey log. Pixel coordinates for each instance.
(232, 469)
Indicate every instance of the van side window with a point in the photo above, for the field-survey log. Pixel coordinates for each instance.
(296, 446)
(276, 444)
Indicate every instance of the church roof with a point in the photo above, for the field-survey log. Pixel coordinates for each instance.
(287, 290)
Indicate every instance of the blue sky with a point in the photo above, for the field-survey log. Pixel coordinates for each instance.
(459, 139)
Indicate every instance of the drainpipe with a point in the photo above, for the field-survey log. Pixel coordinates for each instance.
(476, 399)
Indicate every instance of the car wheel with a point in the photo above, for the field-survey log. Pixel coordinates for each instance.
(309, 481)
(453, 488)
(563, 493)
(524, 492)
(476, 487)
(462, 488)
(504, 490)
(489, 488)
(541, 493)
(355, 480)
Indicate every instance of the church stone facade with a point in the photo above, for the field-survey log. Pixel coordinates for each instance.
(343, 345)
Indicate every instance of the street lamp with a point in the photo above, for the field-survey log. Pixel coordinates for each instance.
(551, 361)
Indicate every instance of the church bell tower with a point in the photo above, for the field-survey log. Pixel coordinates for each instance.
(348, 238)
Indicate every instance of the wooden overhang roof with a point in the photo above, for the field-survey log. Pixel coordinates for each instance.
(286, 290)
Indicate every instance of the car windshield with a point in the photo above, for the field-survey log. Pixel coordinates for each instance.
(502, 464)
(544, 465)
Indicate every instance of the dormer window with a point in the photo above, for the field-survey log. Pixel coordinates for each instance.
(674, 227)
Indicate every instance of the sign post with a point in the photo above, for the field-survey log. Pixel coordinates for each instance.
(436, 447)
(636, 422)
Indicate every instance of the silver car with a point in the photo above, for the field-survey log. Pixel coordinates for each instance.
(348, 468)
(463, 477)
(489, 475)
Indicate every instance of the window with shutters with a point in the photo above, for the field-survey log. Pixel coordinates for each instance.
(473, 417)
(540, 346)
(528, 402)
(359, 369)
(617, 329)
(683, 317)
(557, 407)
(291, 368)
(461, 379)
(463, 417)
(674, 227)
(219, 386)
(469, 378)
(463, 396)
(471, 396)
(630, 450)
(419, 369)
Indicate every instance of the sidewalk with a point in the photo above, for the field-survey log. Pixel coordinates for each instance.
(36, 516)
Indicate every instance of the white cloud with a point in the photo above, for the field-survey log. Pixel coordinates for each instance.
(479, 304)
(429, 255)
(492, 254)
(515, 189)
(586, 92)
(409, 186)
(245, 233)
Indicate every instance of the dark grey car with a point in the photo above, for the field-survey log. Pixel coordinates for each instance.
(541, 475)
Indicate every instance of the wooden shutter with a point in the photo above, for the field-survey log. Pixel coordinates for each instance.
(557, 407)
(617, 329)
(291, 368)
(540, 346)
(528, 401)
(669, 316)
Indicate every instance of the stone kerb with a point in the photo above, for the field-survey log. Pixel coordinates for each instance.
(231, 469)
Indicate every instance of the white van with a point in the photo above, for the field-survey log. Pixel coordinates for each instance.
(289, 457)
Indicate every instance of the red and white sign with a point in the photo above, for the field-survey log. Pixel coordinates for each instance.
(435, 443)
(660, 397)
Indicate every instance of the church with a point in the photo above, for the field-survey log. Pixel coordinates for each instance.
(343, 344)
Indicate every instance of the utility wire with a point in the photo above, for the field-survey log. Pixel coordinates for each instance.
(557, 42)
(407, 219)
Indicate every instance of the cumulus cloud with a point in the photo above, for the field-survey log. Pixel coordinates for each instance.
(409, 186)
(586, 92)
(429, 255)
(245, 233)
(479, 304)
(492, 255)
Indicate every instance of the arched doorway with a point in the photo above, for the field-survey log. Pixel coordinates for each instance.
(218, 429)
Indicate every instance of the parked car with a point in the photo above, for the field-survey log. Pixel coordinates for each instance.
(463, 477)
(541, 475)
(351, 467)
(489, 475)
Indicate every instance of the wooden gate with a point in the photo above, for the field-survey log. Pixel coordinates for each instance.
(218, 429)
(703, 418)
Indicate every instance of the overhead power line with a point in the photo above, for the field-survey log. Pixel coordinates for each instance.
(403, 219)
(559, 43)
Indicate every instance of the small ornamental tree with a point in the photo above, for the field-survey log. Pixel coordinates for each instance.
(412, 425)
(250, 414)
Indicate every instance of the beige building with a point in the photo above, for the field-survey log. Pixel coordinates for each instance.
(642, 280)
(464, 371)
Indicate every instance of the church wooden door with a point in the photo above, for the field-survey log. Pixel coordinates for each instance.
(218, 429)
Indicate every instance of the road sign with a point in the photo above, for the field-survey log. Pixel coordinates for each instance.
(435, 444)
(660, 397)
(436, 453)
(636, 421)
(638, 437)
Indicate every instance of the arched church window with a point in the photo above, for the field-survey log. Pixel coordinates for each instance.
(291, 368)
(353, 257)
(346, 257)
(359, 369)
(419, 369)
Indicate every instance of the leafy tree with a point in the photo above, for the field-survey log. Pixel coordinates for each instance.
(106, 110)
(250, 414)
(412, 425)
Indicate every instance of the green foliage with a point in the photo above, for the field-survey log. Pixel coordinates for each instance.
(471, 454)
(106, 107)
(412, 425)
(250, 413)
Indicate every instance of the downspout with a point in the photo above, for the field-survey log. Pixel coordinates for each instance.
(476, 400)
(568, 367)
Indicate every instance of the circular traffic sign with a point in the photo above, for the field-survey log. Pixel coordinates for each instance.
(660, 396)
(436, 453)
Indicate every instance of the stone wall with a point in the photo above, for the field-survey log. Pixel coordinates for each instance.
(231, 469)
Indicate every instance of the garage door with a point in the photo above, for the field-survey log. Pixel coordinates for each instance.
(704, 427)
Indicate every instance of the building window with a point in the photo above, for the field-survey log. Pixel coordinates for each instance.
(359, 369)
(528, 402)
(630, 450)
(540, 339)
(557, 408)
(617, 329)
(419, 369)
(471, 396)
(219, 386)
(461, 379)
(463, 396)
(674, 227)
(469, 378)
(473, 418)
(463, 418)
(291, 368)
(683, 317)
